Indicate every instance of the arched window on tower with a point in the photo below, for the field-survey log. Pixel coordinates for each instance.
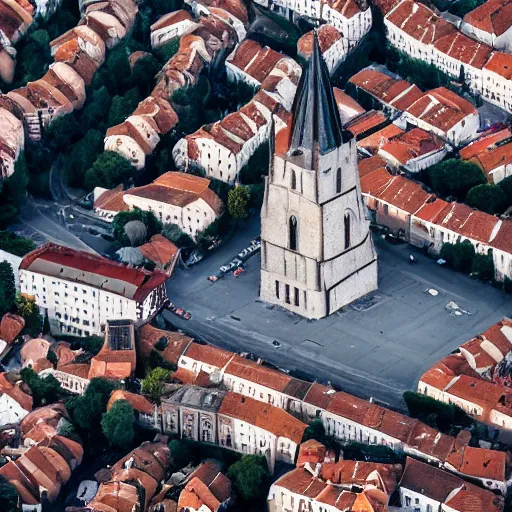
(294, 180)
(346, 221)
(293, 233)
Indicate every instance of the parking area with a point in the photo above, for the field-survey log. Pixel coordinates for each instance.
(376, 347)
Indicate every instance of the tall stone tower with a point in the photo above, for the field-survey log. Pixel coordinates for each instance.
(317, 253)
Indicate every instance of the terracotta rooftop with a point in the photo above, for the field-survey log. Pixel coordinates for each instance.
(420, 23)
(480, 463)
(347, 106)
(269, 418)
(366, 123)
(484, 144)
(160, 251)
(49, 414)
(391, 91)
(319, 395)
(501, 64)
(170, 19)
(311, 452)
(368, 165)
(328, 35)
(347, 8)
(441, 108)
(430, 441)
(476, 390)
(138, 402)
(493, 17)
(179, 189)
(431, 210)
(10, 327)
(464, 49)
(78, 370)
(208, 354)
(83, 267)
(503, 238)
(112, 200)
(356, 409)
(376, 140)
(412, 144)
(148, 336)
(439, 376)
(467, 222)
(494, 158)
(375, 182)
(15, 392)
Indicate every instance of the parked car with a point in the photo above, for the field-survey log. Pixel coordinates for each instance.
(194, 258)
(231, 265)
(239, 271)
(213, 278)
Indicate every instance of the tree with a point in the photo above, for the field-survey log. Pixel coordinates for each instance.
(82, 156)
(238, 198)
(153, 384)
(86, 410)
(181, 453)
(446, 416)
(123, 106)
(109, 170)
(15, 244)
(483, 266)
(9, 497)
(29, 310)
(45, 390)
(370, 453)
(506, 186)
(66, 429)
(455, 177)
(95, 112)
(16, 185)
(7, 289)
(488, 198)
(178, 237)
(143, 74)
(250, 477)
(117, 424)
(315, 430)
(153, 225)
(62, 132)
(459, 256)
(461, 7)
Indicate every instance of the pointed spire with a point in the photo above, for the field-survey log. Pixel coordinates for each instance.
(315, 114)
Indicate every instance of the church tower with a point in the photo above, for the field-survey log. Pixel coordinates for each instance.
(317, 253)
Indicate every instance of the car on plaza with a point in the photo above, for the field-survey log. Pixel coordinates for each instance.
(213, 278)
(234, 263)
(239, 271)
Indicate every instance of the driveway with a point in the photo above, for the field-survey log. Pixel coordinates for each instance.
(376, 348)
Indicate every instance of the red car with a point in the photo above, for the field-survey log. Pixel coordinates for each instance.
(238, 271)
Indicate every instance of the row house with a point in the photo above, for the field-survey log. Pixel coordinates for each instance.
(347, 418)
(351, 18)
(73, 377)
(424, 488)
(333, 46)
(416, 30)
(476, 377)
(15, 402)
(426, 221)
(443, 113)
(491, 24)
(492, 153)
(370, 146)
(174, 198)
(147, 415)
(376, 89)
(236, 9)
(234, 422)
(171, 26)
(79, 292)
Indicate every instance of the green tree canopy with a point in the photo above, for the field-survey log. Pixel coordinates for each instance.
(7, 289)
(370, 453)
(506, 186)
(152, 224)
(455, 177)
(109, 170)
(29, 310)
(9, 497)
(86, 410)
(238, 199)
(446, 416)
(15, 244)
(488, 198)
(144, 73)
(177, 236)
(95, 112)
(483, 267)
(459, 256)
(251, 477)
(62, 132)
(45, 390)
(153, 384)
(123, 106)
(117, 424)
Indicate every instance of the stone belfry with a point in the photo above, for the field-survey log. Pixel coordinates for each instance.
(317, 253)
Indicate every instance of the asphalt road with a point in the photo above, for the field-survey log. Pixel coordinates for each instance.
(377, 348)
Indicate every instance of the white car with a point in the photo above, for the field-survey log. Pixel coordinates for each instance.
(231, 265)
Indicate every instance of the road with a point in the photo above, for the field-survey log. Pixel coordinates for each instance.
(377, 348)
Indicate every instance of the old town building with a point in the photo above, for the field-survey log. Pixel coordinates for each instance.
(313, 189)
(79, 291)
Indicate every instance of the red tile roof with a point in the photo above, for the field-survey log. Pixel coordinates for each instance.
(464, 49)
(255, 60)
(368, 165)
(14, 391)
(363, 124)
(493, 158)
(412, 144)
(160, 251)
(347, 8)
(501, 64)
(327, 37)
(319, 395)
(480, 463)
(112, 200)
(484, 144)
(376, 140)
(86, 264)
(208, 354)
(311, 452)
(11, 327)
(356, 409)
(441, 108)
(493, 17)
(138, 402)
(265, 416)
(148, 336)
(431, 210)
(503, 238)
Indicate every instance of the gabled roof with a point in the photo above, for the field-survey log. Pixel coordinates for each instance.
(176, 343)
(412, 144)
(503, 238)
(464, 49)
(484, 143)
(208, 354)
(493, 17)
(501, 64)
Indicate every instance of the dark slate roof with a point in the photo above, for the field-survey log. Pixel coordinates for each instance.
(315, 114)
(297, 388)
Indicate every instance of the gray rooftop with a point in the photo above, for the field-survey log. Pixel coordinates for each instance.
(198, 398)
